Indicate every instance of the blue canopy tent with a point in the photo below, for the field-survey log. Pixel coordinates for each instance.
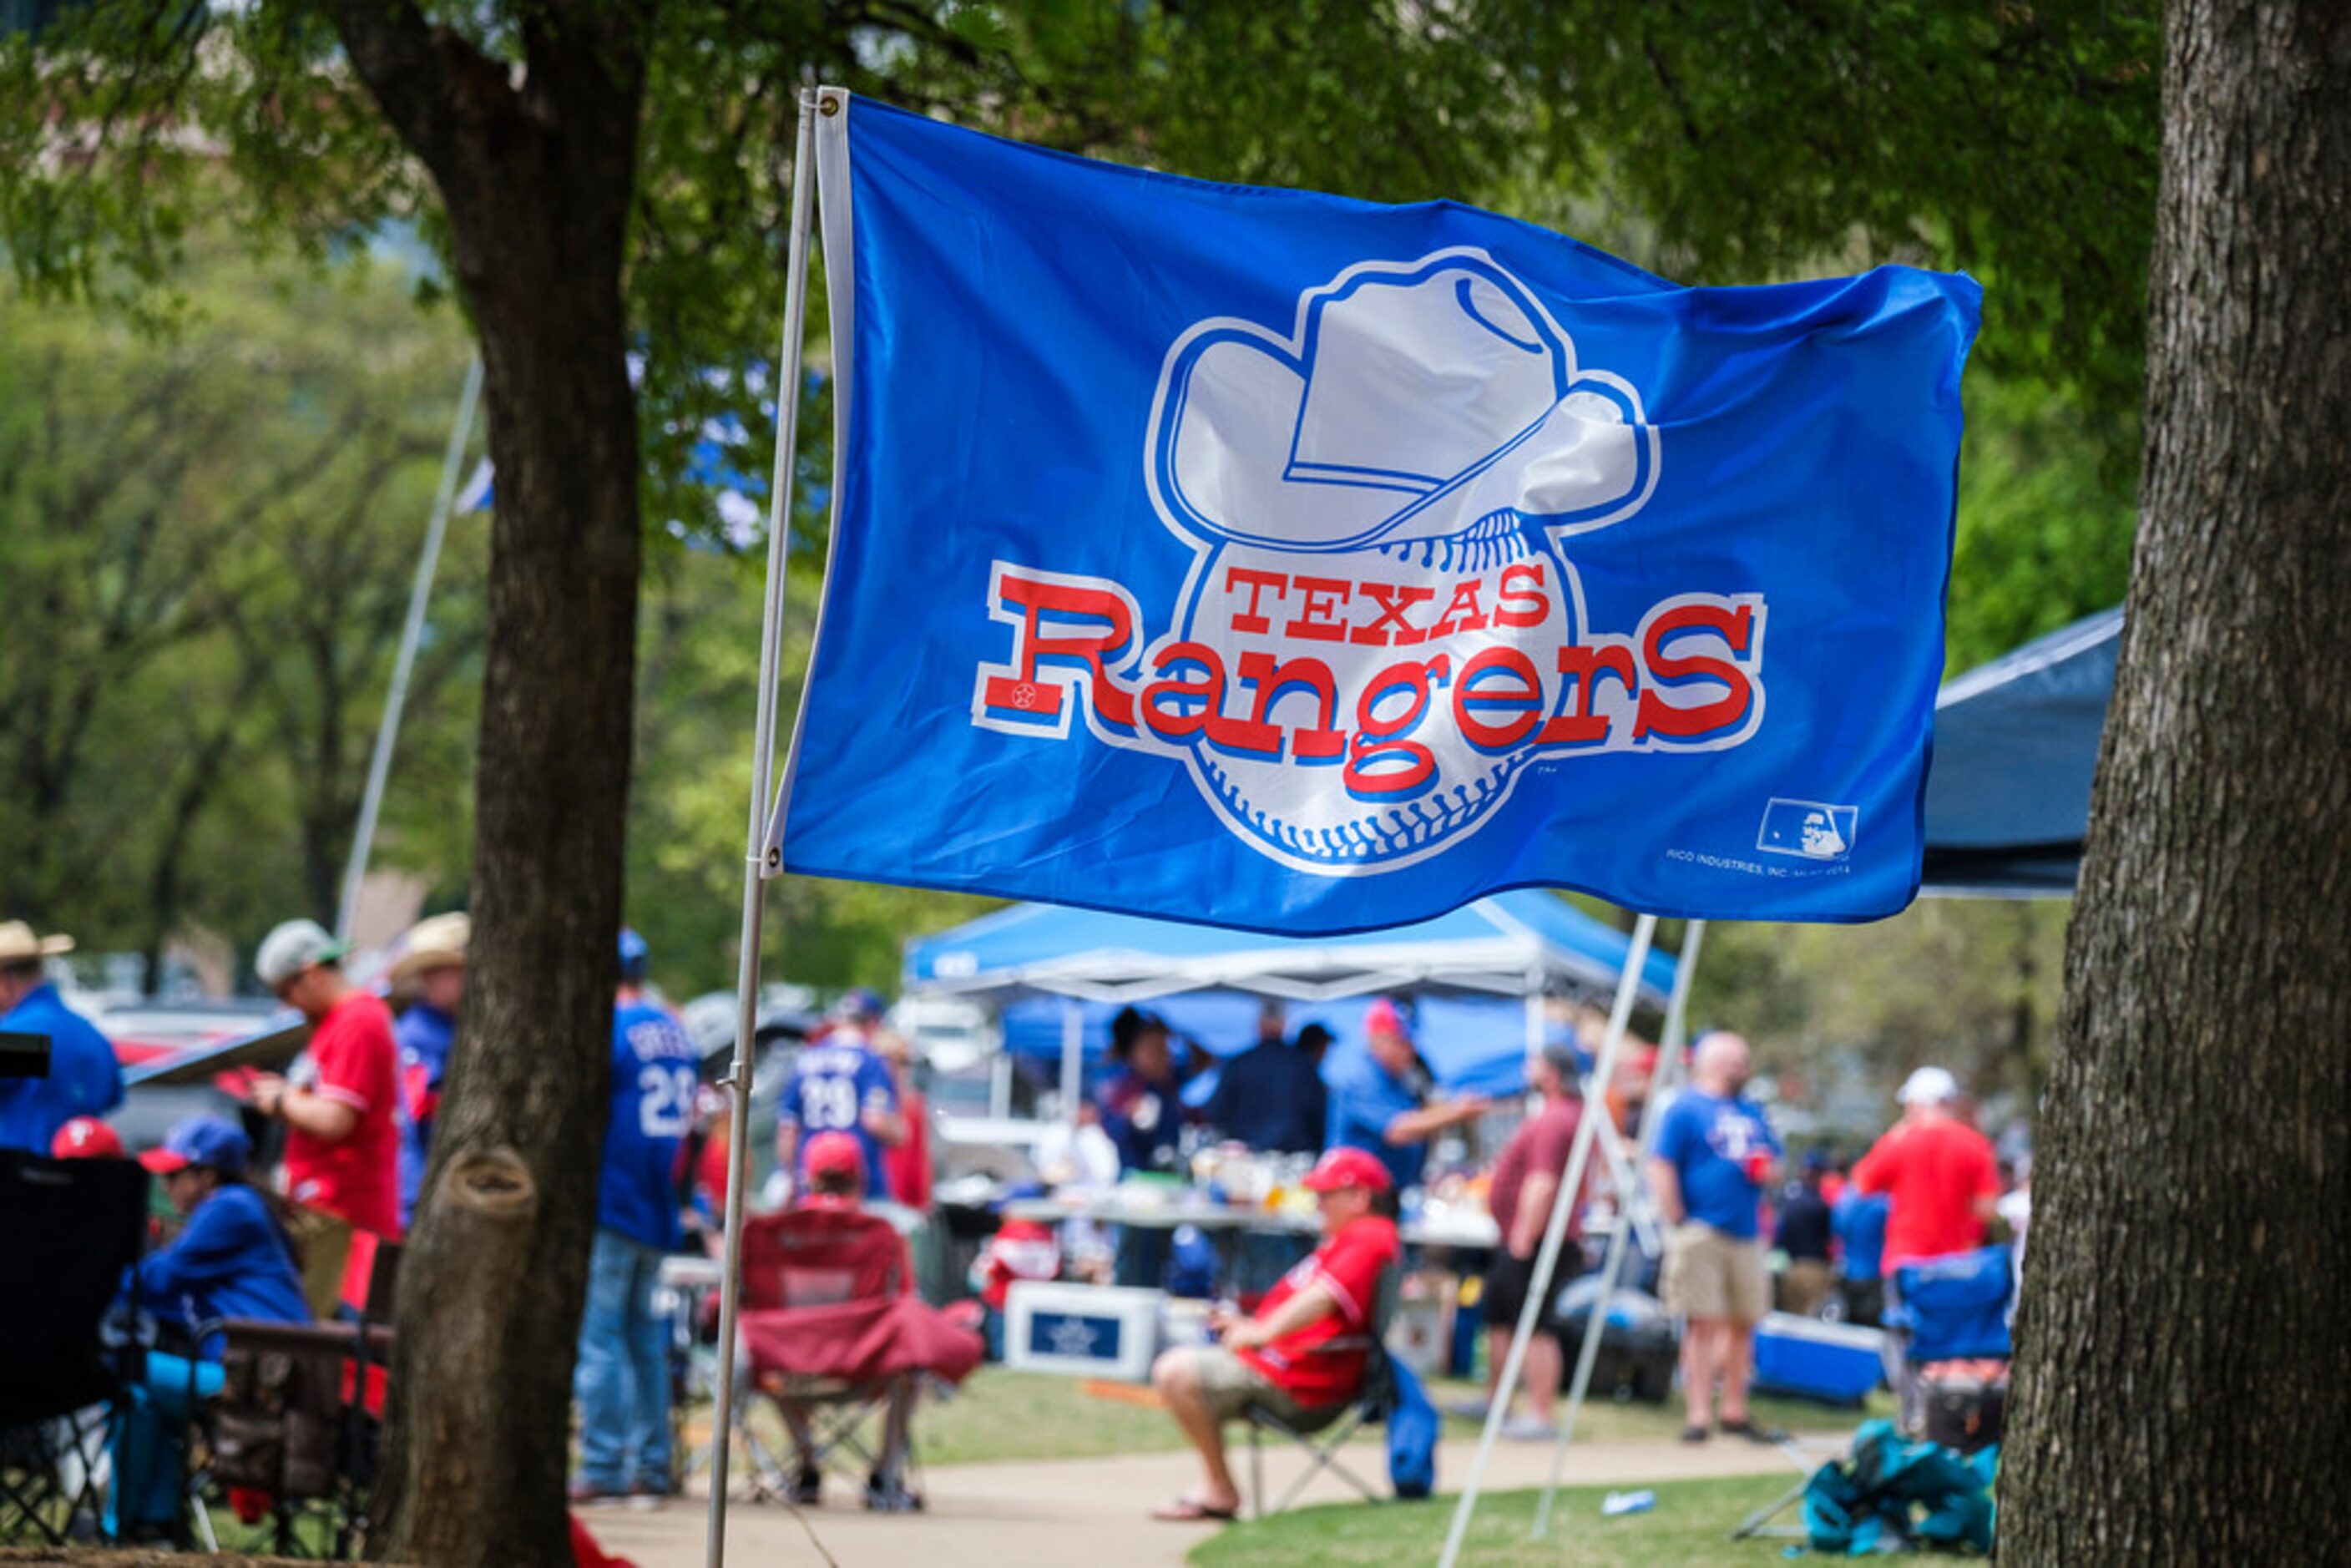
(2016, 745)
(1521, 944)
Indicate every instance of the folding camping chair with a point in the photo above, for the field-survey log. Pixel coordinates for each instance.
(78, 1225)
(798, 1267)
(1322, 1437)
(297, 1423)
(1955, 1308)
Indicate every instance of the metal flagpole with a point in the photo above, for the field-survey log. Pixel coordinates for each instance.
(1670, 1053)
(1563, 1204)
(410, 635)
(762, 765)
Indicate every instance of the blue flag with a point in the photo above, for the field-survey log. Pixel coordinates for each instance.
(1295, 563)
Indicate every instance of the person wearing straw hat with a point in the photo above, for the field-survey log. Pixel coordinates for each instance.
(431, 968)
(83, 1079)
(342, 1149)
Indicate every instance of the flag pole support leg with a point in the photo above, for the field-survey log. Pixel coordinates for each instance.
(1670, 1053)
(756, 865)
(1563, 1204)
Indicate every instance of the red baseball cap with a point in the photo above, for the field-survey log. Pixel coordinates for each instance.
(1384, 1017)
(86, 1138)
(831, 1152)
(1348, 1167)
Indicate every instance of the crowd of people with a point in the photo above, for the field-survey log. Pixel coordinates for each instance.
(356, 1131)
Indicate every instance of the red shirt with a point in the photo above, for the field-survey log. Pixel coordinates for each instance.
(1322, 1363)
(1934, 1171)
(359, 1179)
(1542, 1143)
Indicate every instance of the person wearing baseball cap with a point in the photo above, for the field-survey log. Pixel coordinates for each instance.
(1302, 1357)
(342, 1145)
(83, 1078)
(86, 1138)
(1939, 1174)
(1380, 1099)
(430, 971)
(231, 1259)
(836, 1171)
(623, 1380)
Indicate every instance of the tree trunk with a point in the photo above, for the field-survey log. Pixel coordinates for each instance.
(537, 167)
(2184, 1360)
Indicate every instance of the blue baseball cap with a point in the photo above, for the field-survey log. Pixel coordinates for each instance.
(201, 1141)
(635, 957)
(859, 1003)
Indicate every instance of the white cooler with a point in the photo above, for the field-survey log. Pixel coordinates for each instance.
(1082, 1330)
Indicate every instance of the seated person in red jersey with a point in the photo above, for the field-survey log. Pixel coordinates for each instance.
(835, 1164)
(1302, 1357)
(1938, 1172)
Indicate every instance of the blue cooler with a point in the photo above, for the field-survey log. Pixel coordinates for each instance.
(1805, 1358)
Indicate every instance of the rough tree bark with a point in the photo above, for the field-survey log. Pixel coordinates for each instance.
(2184, 1383)
(535, 164)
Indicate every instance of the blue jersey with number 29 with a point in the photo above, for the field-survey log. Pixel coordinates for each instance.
(653, 1081)
(836, 1083)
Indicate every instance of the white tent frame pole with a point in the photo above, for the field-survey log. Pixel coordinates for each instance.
(1073, 1057)
(1670, 1053)
(1563, 1204)
(763, 781)
(412, 635)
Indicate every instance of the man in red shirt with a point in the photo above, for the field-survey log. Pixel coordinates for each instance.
(1302, 1357)
(1526, 1178)
(342, 1146)
(1937, 1171)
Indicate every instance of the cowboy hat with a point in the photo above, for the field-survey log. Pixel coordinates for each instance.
(17, 943)
(435, 944)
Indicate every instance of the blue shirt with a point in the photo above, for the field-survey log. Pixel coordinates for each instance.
(422, 1036)
(84, 1079)
(1859, 1219)
(1271, 1097)
(1364, 1098)
(1706, 1140)
(1144, 1119)
(655, 1074)
(230, 1262)
(836, 1081)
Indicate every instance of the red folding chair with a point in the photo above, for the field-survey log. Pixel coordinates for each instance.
(820, 1337)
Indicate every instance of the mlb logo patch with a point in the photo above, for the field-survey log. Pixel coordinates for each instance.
(1812, 830)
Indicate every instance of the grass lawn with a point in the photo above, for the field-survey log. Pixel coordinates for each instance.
(1691, 1524)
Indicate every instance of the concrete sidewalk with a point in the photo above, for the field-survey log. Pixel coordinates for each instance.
(1094, 1513)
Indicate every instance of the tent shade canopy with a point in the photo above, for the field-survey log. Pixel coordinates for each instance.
(1510, 944)
(2016, 746)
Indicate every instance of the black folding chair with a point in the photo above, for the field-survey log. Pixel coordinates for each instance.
(1322, 1438)
(74, 1226)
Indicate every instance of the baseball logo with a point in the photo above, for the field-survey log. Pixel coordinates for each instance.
(1380, 627)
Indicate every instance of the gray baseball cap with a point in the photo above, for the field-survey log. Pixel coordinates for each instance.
(293, 948)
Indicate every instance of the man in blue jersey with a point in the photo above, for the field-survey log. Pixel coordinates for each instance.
(623, 1383)
(1380, 1102)
(83, 1079)
(842, 1085)
(1715, 1154)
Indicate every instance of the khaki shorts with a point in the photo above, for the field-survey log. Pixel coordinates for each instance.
(324, 1240)
(1711, 1275)
(1232, 1385)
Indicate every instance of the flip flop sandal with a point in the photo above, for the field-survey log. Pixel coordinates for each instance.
(1185, 1511)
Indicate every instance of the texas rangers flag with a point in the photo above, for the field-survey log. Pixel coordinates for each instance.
(1283, 561)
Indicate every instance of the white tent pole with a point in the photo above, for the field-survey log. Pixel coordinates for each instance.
(1534, 1018)
(763, 779)
(412, 633)
(1563, 1205)
(1073, 1050)
(1669, 1049)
